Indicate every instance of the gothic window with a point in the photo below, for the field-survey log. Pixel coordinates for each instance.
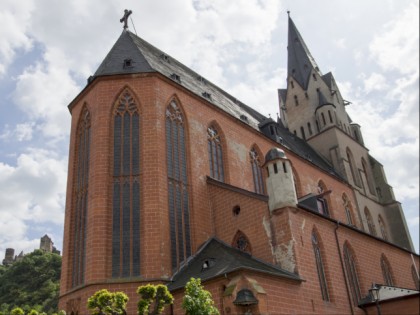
(415, 276)
(347, 209)
(322, 202)
(296, 100)
(257, 172)
(330, 116)
(369, 221)
(126, 189)
(386, 271)
(351, 272)
(368, 177)
(352, 165)
(296, 181)
(178, 192)
(80, 198)
(320, 267)
(241, 242)
(317, 125)
(215, 154)
(323, 119)
(382, 228)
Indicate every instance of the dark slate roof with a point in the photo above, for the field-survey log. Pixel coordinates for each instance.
(282, 95)
(328, 79)
(146, 58)
(223, 259)
(300, 62)
(323, 100)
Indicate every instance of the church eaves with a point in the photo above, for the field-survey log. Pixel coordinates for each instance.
(300, 62)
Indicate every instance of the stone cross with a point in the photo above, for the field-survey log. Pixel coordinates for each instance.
(125, 17)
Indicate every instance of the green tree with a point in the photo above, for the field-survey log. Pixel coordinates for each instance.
(32, 283)
(17, 311)
(197, 300)
(104, 302)
(153, 299)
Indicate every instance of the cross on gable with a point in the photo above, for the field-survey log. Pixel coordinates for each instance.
(125, 17)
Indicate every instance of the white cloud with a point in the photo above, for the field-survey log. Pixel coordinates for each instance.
(375, 82)
(14, 16)
(33, 191)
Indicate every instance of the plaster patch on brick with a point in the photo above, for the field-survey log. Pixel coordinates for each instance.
(303, 225)
(285, 257)
(239, 149)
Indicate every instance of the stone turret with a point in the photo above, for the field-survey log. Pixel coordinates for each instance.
(279, 182)
(9, 256)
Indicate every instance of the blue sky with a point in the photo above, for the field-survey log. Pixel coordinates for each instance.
(49, 49)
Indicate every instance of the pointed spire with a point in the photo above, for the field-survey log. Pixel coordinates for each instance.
(300, 61)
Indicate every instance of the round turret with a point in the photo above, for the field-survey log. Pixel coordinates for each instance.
(274, 154)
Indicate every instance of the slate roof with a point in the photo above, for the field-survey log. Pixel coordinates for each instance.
(223, 259)
(300, 62)
(146, 58)
(323, 100)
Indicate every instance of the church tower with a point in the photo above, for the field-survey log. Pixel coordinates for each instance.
(313, 109)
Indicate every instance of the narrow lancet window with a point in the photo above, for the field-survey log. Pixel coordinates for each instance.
(259, 187)
(80, 198)
(178, 192)
(386, 271)
(215, 154)
(126, 189)
(351, 272)
(320, 268)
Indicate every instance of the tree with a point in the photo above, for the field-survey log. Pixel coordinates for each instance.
(153, 299)
(104, 302)
(17, 311)
(31, 283)
(197, 300)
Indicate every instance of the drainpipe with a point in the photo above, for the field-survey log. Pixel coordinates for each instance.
(342, 267)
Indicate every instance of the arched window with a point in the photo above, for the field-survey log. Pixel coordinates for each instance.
(80, 197)
(126, 188)
(368, 176)
(309, 128)
(302, 131)
(386, 271)
(320, 267)
(322, 202)
(241, 242)
(178, 192)
(415, 276)
(351, 272)
(297, 183)
(257, 172)
(382, 228)
(369, 221)
(215, 154)
(348, 210)
(352, 165)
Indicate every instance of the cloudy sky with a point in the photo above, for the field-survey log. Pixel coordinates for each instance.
(49, 48)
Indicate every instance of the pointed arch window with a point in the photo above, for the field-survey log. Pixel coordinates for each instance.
(178, 191)
(382, 228)
(241, 242)
(386, 271)
(80, 198)
(369, 221)
(348, 210)
(322, 202)
(351, 272)
(257, 172)
(126, 188)
(415, 275)
(215, 154)
(320, 267)
(352, 165)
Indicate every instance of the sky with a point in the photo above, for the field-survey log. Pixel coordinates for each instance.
(49, 48)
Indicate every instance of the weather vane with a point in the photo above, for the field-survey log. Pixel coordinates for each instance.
(125, 17)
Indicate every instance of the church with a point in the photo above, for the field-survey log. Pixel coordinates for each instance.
(170, 177)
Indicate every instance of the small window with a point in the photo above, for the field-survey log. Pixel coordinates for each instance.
(176, 77)
(306, 95)
(206, 95)
(302, 131)
(296, 100)
(317, 125)
(330, 116)
(292, 84)
(272, 131)
(310, 129)
(244, 118)
(284, 167)
(128, 63)
(323, 119)
(275, 168)
(314, 76)
(236, 210)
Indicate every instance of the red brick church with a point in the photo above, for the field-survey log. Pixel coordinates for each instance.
(170, 177)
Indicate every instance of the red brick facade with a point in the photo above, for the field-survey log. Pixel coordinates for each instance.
(282, 238)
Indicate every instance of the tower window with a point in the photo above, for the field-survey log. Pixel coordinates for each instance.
(284, 168)
(309, 128)
(314, 76)
(275, 168)
(323, 119)
(306, 95)
(292, 84)
(317, 125)
(302, 131)
(330, 116)
(236, 210)
(128, 63)
(296, 100)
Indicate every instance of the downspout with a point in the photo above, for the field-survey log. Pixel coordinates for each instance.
(342, 267)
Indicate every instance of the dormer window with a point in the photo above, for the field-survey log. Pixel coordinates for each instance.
(165, 57)
(244, 118)
(128, 63)
(176, 77)
(201, 80)
(206, 95)
(207, 264)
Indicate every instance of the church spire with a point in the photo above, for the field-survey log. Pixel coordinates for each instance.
(300, 61)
